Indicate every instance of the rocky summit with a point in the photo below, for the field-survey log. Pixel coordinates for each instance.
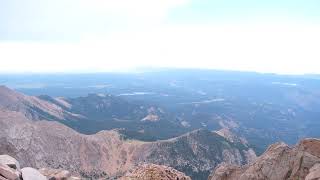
(154, 172)
(279, 162)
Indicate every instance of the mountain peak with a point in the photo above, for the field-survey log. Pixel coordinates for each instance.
(5, 90)
(31, 106)
(279, 162)
(8, 96)
(3, 86)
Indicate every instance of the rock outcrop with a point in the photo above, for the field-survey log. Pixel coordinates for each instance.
(29, 173)
(314, 173)
(279, 162)
(9, 173)
(9, 161)
(10, 170)
(154, 172)
(57, 174)
(142, 172)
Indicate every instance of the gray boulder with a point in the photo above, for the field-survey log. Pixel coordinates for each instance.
(10, 161)
(29, 173)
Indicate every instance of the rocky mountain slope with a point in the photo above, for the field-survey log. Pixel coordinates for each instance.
(94, 113)
(197, 152)
(279, 162)
(32, 107)
(50, 144)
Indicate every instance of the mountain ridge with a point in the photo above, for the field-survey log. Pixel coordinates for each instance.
(93, 113)
(49, 144)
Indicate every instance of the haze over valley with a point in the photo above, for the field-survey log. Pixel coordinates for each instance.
(191, 119)
(159, 90)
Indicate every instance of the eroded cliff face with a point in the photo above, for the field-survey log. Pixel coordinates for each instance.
(279, 162)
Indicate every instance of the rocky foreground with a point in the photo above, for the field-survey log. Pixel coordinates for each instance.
(10, 170)
(279, 162)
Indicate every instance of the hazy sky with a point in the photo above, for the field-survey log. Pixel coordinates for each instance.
(281, 36)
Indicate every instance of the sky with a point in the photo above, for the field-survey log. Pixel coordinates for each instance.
(277, 36)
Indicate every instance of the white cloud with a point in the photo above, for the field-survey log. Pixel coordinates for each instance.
(129, 8)
(266, 48)
(130, 13)
(71, 19)
(145, 39)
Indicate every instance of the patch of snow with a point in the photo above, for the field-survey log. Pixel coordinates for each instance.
(100, 86)
(185, 124)
(201, 92)
(101, 95)
(165, 95)
(285, 83)
(136, 93)
(206, 101)
(203, 124)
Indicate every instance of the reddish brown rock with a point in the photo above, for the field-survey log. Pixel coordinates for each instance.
(3, 178)
(314, 173)
(74, 178)
(311, 146)
(279, 162)
(8, 172)
(55, 174)
(155, 172)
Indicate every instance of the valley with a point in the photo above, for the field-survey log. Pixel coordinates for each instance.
(107, 127)
(26, 134)
(263, 108)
